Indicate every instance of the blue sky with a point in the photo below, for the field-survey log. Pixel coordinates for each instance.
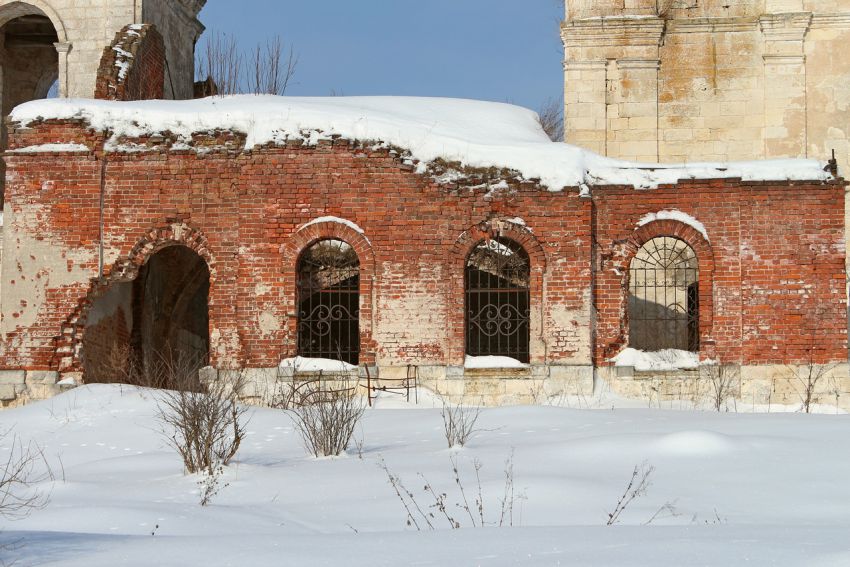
(502, 50)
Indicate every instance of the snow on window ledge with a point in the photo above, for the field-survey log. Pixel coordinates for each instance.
(655, 361)
(492, 362)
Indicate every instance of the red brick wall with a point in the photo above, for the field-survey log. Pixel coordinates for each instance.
(772, 273)
(245, 212)
(249, 208)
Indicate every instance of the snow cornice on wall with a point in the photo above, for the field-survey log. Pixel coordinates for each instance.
(450, 139)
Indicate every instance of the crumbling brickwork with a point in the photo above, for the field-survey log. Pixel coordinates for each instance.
(771, 266)
(133, 67)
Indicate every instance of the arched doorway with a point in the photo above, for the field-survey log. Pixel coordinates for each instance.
(139, 331)
(170, 310)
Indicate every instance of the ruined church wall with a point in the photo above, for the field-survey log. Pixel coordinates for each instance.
(85, 28)
(251, 209)
(771, 267)
(709, 81)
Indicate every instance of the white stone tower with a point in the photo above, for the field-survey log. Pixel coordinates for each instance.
(686, 80)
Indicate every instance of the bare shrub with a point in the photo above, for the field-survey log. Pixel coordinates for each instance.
(326, 422)
(809, 376)
(551, 119)
(202, 421)
(221, 61)
(18, 476)
(637, 487)
(453, 510)
(273, 67)
(114, 366)
(459, 422)
(723, 381)
(267, 69)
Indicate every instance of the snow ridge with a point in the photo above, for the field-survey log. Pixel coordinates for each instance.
(476, 134)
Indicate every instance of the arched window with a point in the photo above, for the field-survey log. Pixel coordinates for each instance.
(329, 302)
(497, 300)
(664, 296)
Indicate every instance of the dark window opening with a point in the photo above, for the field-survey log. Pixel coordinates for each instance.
(329, 302)
(497, 300)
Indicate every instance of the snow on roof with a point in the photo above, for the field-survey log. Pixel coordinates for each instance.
(474, 133)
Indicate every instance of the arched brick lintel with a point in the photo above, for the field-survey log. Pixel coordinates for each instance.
(705, 258)
(305, 237)
(461, 250)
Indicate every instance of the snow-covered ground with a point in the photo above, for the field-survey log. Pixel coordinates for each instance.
(746, 489)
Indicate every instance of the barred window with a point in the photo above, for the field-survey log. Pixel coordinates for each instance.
(497, 300)
(664, 296)
(329, 302)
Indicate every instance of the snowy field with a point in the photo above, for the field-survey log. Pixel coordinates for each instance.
(742, 489)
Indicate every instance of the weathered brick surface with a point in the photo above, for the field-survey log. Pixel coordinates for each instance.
(133, 67)
(250, 209)
(772, 272)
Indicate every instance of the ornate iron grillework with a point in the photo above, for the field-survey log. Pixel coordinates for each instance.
(664, 296)
(497, 300)
(329, 302)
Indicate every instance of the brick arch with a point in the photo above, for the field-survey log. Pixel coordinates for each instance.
(627, 249)
(459, 254)
(12, 10)
(68, 346)
(291, 251)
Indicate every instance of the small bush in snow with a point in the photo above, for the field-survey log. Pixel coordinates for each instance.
(210, 484)
(809, 376)
(723, 380)
(327, 422)
(203, 422)
(459, 422)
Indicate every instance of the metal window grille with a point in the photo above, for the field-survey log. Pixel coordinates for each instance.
(497, 300)
(329, 302)
(664, 296)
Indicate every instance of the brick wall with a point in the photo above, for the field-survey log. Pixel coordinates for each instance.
(249, 210)
(772, 269)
